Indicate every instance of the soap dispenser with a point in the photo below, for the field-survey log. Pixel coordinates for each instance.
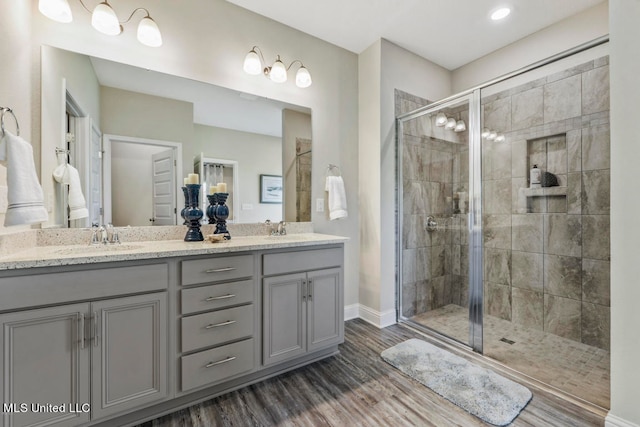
(534, 177)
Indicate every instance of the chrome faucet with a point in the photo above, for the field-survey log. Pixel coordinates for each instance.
(276, 230)
(281, 230)
(104, 234)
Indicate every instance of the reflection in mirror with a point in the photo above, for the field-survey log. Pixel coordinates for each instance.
(134, 134)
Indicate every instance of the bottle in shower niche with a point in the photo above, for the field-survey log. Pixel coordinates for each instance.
(534, 177)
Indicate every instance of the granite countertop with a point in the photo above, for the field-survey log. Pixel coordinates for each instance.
(46, 256)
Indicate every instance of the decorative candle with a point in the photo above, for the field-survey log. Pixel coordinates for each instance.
(193, 178)
(186, 181)
(222, 187)
(213, 189)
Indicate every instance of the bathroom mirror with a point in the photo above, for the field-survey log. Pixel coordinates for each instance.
(110, 120)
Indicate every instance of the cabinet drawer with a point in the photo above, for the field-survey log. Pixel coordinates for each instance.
(216, 269)
(216, 296)
(212, 366)
(217, 327)
(62, 287)
(288, 262)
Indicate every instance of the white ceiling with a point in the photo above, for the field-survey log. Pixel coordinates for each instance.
(450, 33)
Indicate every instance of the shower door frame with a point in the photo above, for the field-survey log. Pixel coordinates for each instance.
(474, 223)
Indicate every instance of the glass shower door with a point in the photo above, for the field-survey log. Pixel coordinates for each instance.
(434, 164)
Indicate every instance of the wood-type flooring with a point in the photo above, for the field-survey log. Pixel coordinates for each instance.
(357, 388)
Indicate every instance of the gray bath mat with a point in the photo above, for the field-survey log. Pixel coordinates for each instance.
(479, 391)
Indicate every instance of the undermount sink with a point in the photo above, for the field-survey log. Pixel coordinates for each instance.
(97, 249)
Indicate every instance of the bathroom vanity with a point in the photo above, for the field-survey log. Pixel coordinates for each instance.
(118, 335)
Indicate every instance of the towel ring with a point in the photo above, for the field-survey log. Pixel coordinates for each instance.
(10, 111)
(331, 168)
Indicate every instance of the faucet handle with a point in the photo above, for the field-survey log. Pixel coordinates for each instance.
(281, 228)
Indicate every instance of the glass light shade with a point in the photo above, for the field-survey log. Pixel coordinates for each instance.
(485, 132)
(104, 19)
(149, 33)
(303, 78)
(278, 72)
(441, 119)
(460, 126)
(492, 135)
(252, 64)
(58, 10)
(500, 138)
(451, 123)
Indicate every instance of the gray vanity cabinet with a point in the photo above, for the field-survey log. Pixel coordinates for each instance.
(43, 362)
(302, 312)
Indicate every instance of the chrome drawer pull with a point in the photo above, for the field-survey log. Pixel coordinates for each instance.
(220, 297)
(228, 322)
(220, 362)
(220, 270)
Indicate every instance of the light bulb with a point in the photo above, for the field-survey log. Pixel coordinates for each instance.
(58, 10)
(451, 123)
(278, 72)
(460, 126)
(303, 78)
(104, 19)
(500, 138)
(441, 119)
(252, 64)
(149, 33)
(485, 132)
(492, 135)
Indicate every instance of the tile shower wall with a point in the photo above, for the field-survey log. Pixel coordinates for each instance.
(546, 258)
(303, 180)
(435, 167)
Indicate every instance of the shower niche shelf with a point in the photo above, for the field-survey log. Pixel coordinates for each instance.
(545, 191)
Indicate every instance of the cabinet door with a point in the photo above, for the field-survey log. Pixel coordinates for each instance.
(326, 312)
(129, 354)
(284, 312)
(44, 363)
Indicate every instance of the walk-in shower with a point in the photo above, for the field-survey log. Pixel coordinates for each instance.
(512, 268)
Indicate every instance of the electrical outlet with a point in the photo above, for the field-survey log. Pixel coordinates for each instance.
(319, 205)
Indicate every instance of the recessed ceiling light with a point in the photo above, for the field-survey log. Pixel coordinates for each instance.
(501, 13)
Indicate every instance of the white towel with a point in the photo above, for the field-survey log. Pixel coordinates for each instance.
(24, 194)
(337, 197)
(67, 174)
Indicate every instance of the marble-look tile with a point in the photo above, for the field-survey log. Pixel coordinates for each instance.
(464, 260)
(596, 147)
(601, 62)
(441, 166)
(409, 302)
(413, 231)
(497, 300)
(497, 115)
(573, 71)
(574, 150)
(527, 270)
(562, 316)
(595, 90)
(438, 193)
(423, 264)
(437, 297)
(563, 235)
(527, 109)
(562, 99)
(496, 196)
(596, 237)
(596, 325)
(413, 201)
(563, 276)
(557, 155)
(519, 159)
(455, 260)
(556, 204)
(519, 202)
(596, 281)
(437, 257)
(496, 230)
(527, 308)
(537, 152)
(423, 296)
(527, 233)
(596, 190)
(574, 193)
(497, 266)
(408, 266)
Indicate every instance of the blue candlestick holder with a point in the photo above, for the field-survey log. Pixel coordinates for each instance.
(221, 215)
(211, 209)
(193, 214)
(186, 206)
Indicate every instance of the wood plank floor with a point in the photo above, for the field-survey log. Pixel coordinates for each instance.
(357, 388)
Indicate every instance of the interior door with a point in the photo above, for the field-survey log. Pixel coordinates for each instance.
(164, 188)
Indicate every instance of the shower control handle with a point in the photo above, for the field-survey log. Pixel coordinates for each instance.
(431, 224)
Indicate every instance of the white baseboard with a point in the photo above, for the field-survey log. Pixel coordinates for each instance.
(613, 421)
(376, 318)
(351, 311)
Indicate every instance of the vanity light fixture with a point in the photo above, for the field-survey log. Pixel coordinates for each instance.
(460, 126)
(254, 65)
(451, 123)
(485, 132)
(441, 119)
(500, 138)
(104, 19)
(492, 135)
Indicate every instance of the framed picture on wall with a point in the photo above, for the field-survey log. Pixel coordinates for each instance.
(270, 188)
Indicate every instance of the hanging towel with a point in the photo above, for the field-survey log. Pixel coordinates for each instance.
(24, 194)
(67, 174)
(337, 197)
